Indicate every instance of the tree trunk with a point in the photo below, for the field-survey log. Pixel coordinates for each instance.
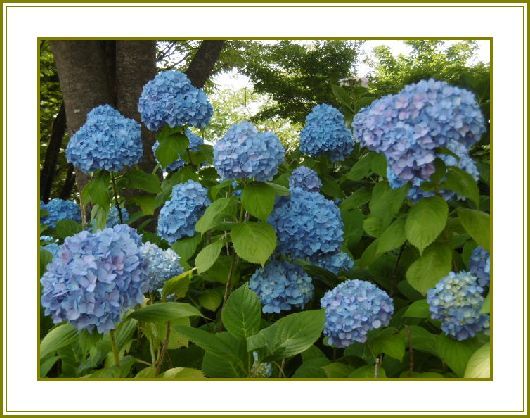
(69, 181)
(203, 62)
(48, 171)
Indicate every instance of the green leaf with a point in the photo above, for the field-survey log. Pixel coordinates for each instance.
(279, 189)
(393, 237)
(207, 256)
(386, 202)
(356, 199)
(186, 247)
(478, 365)
(177, 285)
(66, 228)
(210, 299)
(462, 183)
(221, 269)
(146, 373)
(289, 336)
(254, 241)
(417, 309)
(425, 221)
(258, 199)
(140, 180)
(97, 191)
(182, 373)
(215, 213)
(368, 372)
(170, 148)
(46, 364)
(392, 345)
(430, 268)
(343, 96)
(476, 224)
(45, 258)
(486, 306)
(455, 354)
(148, 203)
(361, 168)
(164, 312)
(373, 226)
(241, 314)
(233, 363)
(59, 337)
(353, 225)
(337, 370)
(420, 339)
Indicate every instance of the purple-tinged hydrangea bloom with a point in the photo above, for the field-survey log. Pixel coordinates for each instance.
(94, 278)
(58, 210)
(307, 224)
(479, 266)
(195, 141)
(246, 153)
(161, 265)
(179, 214)
(171, 99)
(305, 179)
(107, 141)
(354, 308)
(456, 301)
(281, 286)
(325, 133)
(335, 263)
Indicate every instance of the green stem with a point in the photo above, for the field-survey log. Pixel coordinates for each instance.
(115, 350)
(116, 202)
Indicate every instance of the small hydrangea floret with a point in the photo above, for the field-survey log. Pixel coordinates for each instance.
(59, 210)
(335, 263)
(479, 266)
(306, 179)
(161, 265)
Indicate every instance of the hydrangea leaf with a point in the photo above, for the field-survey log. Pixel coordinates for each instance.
(208, 255)
(97, 191)
(289, 336)
(368, 372)
(177, 285)
(356, 199)
(59, 337)
(386, 202)
(186, 247)
(254, 241)
(211, 299)
(215, 213)
(392, 345)
(164, 312)
(148, 203)
(362, 168)
(373, 225)
(425, 221)
(417, 309)
(241, 313)
(353, 225)
(455, 354)
(258, 200)
(140, 180)
(170, 147)
(478, 365)
(393, 237)
(182, 373)
(427, 270)
(461, 182)
(477, 224)
(487, 304)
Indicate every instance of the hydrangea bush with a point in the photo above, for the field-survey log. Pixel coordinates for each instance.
(357, 255)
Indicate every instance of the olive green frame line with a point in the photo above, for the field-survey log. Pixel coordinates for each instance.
(491, 203)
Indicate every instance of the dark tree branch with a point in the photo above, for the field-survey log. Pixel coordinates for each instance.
(48, 171)
(203, 62)
(69, 182)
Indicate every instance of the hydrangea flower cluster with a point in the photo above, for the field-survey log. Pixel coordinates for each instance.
(305, 179)
(479, 266)
(325, 133)
(354, 308)
(335, 263)
(456, 301)
(94, 278)
(410, 127)
(246, 153)
(107, 141)
(52, 248)
(161, 265)
(59, 210)
(171, 99)
(195, 141)
(179, 214)
(260, 369)
(307, 224)
(281, 286)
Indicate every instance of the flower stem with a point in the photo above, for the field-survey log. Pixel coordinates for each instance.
(116, 202)
(115, 350)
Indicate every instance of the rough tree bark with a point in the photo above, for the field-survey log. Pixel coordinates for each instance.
(47, 173)
(201, 66)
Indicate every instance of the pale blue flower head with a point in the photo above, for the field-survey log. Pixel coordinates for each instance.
(58, 210)
(181, 212)
(307, 224)
(161, 265)
(246, 153)
(94, 278)
(113, 218)
(354, 308)
(305, 179)
(325, 133)
(281, 286)
(456, 301)
(171, 99)
(479, 266)
(340, 262)
(195, 141)
(107, 141)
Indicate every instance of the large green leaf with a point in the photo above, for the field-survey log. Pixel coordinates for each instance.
(207, 256)
(462, 183)
(177, 285)
(433, 265)
(425, 221)
(478, 365)
(140, 180)
(164, 312)
(234, 364)
(254, 241)
(211, 298)
(66, 228)
(393, 237)
(170, 147)
(258, 199)
(186, 247)
(455, 354)
(289, 336)
(215, 213)
(59, 337)
(241, 313)
(182, 373)
(417, 309)
(477, 224)
(97, 191)
(388, 343)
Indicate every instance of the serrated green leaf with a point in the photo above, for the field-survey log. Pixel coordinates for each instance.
(171, 146)
(211, 299)
(208, 255)
(177, 285)
(140, 180)
(186, 247)
(393, 237)
(182, 373)
(97, 191)
(258, 199)
(417, 309)
(254, 241)
(215, 213)
(430, 268)
(164, 312)
(477, 224)
(59, 337)
(241, 314)
(478, 365)
(462, 183)
(66, 228)
(425, 221)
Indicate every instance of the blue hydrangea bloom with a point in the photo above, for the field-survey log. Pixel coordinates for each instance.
(281, 286)
(456, 301)
(52, 248)
(305, 179)
(410, 126)
(171, 99)
(107, 141)
(94, 278)
(58, 210)
(161, 265)
(325, 133)
(179, 214)
(307, 224)
(354, 308)
(113, 217)
(246, 153)
(195, 142)
(335, 263)
(479, 266)
(260, 369)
